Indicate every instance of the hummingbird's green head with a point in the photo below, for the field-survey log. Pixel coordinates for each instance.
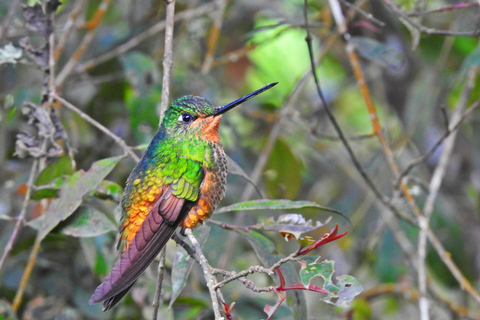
(191, 115)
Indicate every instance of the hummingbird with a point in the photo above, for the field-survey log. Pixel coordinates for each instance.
(179, 181)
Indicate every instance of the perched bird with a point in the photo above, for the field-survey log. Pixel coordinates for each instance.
(178, 182)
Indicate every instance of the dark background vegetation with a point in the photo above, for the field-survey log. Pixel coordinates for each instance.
(421, 70)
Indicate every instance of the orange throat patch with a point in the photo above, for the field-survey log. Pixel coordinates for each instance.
(209, 131)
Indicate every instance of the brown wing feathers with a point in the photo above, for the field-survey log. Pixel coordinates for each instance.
(155, 231)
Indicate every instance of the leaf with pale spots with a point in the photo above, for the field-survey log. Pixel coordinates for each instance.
(292, 225)
(71, 194)
(346, 288)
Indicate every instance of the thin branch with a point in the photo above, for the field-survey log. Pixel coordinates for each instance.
(236, 275)
(21, 215)
(440, 141)
(99, 126)
(167, 58)
(87, 39)
(214, 35)
(26, 274)
(184, 15)
(333, 138)
(206, 273)
(186, 247)
(68, 26)
(443, 9)
(6, 23)
(434, 187)
(426, 30)
(364, 14)
(157, 300)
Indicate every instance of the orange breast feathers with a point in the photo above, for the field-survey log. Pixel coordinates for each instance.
(208, 128)
(210, 194)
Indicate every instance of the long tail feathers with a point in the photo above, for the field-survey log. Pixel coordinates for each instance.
(152, 236)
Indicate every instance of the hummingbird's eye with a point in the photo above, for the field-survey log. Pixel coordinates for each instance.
(186, 118)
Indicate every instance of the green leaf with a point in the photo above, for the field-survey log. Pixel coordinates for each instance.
(88, 222)
(52, 174)
(263, 247)
(274, 204)
(109, 189)
(71, 194)
(235, 169)
(346, 289)
(182, 265)
(59, 167)
(283, 172)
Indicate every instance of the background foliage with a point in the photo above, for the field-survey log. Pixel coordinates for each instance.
(420, 67)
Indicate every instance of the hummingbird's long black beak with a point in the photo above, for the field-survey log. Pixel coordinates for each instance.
(231, 105)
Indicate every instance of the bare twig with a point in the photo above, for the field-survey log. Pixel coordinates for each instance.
(157, 300)
(236, 275)
(214, 35)
(21, 215)
(434, 187)
(451, 129)
(67, 27)
(6, 23)
(421, 28)
(364, 14)
(167, 58)
(443, 9)
(207, 273)
(167, 69)
(87, 39)
(184, 15)
(186, 247)
(26, 274)
(99, 126)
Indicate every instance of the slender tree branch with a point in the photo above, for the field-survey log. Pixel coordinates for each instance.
(21, 215)
(167, 58)
(214, 35)
(157, 300)
(443, 9)
(6, 23)
(184, 15)
(167, 69)
(450, 130)
(207, 273)
(17, 300)
(434, 187)
(91, 26)
(426, 30)
(99, 126)
(186, 247)
(364, 14)
(68, 26)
